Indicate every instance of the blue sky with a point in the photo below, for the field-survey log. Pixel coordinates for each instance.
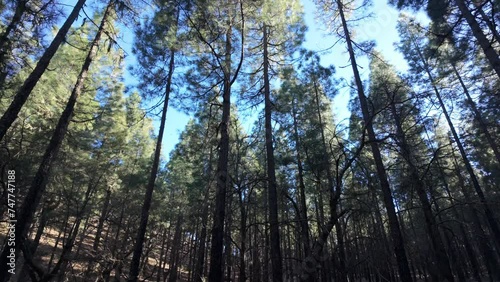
(381, 28)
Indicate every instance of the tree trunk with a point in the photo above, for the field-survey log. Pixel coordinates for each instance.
(56, 244)
(265, 261)
(83, 234)
(468, 247)
(141, 232)
(5, 42)
(216, 249)
(256, 265)
(386, 265)
(39, 183)
(100, 226)
(287, 248)
(482, 40)
(304, 224)
(174, 254)
(22, 275)
(486, 249)
(163, 255)
(488, 22)
(200, 256)
(441, 258)
(478, 116)
(228, 250)
(277, 268)
(339, 230)
(395, 231)
(24, 92)
(334, 191)
(102, 218)
(243, 234)
(60, 267)
(455, 259)
(475, 183)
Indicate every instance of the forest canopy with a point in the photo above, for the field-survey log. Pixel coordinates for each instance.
(406, 188)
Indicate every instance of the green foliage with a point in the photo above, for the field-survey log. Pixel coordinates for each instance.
(105, 161)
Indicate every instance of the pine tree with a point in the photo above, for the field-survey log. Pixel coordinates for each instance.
(25, 91)
(218, 38)
(37, 188)
(409, 35)
(172, 22)
(395, 230)
(388, 90)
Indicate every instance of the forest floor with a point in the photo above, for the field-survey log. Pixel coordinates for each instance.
(109, 265)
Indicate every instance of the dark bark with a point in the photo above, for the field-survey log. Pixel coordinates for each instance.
(24, 92)
(491, 259)
(277, 268)
(265, 234)
(334, 191)
(441, 258)
(192, 247)
(60, 234)
(243, 234)
(102, 218)
(287, 246)
(256, 269)
(60, 267)
(33, 246)
(41, 178)
(141, 232)
(5, 41)
(163, 255)
(200, 255)
(243, 219)
(386, 269)
(488, 21)
(482, 40)
(228, 250)
(304, 224)
(342, 270)
(475, 183)
(395, 231)
(62, 264)
(468, 246)
(478, 116)
(98, 233)
(174, 254)
(216, 249)
(317, 255)
(83, 234)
